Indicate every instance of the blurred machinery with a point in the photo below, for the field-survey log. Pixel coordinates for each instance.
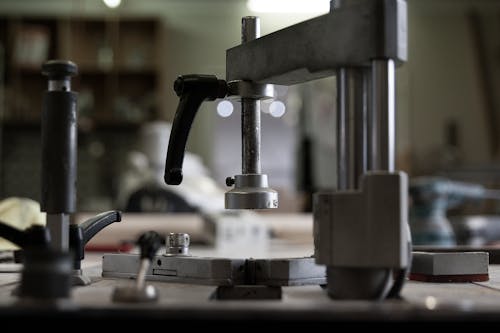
(432, 197)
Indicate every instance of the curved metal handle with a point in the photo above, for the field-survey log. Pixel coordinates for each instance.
(192, 90)
(95, 224)
(80, 234)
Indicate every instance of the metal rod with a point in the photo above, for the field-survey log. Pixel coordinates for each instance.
(58, 225)
(372, 129)
(141, 275)
(383, 115)
(351, 128)
(250, 110)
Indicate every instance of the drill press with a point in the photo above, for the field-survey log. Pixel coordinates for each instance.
(361, 231)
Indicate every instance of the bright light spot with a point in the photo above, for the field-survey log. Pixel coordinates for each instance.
(430, 302)
(289, 6)
(225, 109)
(112, 3)
(277, 109)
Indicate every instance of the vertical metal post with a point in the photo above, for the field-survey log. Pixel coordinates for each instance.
(250, 110)
(383, 121)
(59, 150)
(351, 127)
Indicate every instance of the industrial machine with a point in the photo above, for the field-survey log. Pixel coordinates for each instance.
(361, 232)
(52, 255)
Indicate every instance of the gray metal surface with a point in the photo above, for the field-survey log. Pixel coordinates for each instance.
(450, 263)
(196, 270)
(58, 225)
(352, 35)
(287, 272)
(219, 271)
(177, 244)
(383, 148)
(351, 127)
(62, 85)
(366, 228)
(251, 191)
(247, 89)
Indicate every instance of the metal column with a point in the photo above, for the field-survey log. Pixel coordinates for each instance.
(383, 120)
(351, 127)
(250, 110)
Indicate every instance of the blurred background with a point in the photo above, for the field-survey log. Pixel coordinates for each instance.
(129, 52)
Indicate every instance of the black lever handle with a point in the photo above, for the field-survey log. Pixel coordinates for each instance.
(192, 90)
(34, 236)
(47, 272)
(80, 234)
(149, 242)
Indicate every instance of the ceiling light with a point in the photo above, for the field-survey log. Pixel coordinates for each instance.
(289, 6)
(112, 3)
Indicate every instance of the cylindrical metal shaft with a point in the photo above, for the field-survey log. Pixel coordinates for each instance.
(59, 151)
(250, 110)
(383, 121)
(351, 127)
(250, 136)
(141, 275)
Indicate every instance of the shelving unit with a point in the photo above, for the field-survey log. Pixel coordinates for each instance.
(119, 72)
(119, 85)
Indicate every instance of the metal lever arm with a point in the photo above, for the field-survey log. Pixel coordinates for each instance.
(149, 243)
(192, 90)
(80, 234)
(34, 236)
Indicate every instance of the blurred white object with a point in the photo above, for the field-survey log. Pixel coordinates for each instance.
(19, 213)
(146, 167)
(238, 234)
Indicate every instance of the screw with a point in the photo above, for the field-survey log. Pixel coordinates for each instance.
(230, 181)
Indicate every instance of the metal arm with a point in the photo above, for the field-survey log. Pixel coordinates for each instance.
(353, 34)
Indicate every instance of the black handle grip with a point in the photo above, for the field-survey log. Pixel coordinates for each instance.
(193, 90)
(33, 236)
(80, 234)
(95, 224)
(149, 242)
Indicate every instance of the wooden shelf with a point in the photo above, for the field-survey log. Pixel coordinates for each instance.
(118, 80)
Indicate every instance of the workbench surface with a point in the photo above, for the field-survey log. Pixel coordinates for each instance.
(185, 303)
(421, 301)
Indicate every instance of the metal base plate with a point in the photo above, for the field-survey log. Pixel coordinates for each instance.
(219, 271)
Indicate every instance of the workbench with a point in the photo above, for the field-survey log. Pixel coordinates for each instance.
(185, 303)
